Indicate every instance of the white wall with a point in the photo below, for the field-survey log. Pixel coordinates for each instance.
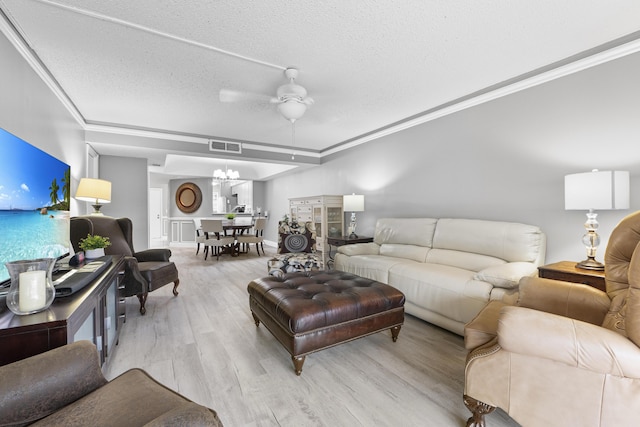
(29, 110)
(503, 160)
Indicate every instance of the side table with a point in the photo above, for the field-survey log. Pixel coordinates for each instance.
(341, 241)
(568, 272)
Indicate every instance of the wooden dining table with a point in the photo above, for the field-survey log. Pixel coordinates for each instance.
(237, 228)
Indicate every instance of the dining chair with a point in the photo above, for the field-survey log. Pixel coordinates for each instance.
(200, 237)
(256, 237)
(214, 233)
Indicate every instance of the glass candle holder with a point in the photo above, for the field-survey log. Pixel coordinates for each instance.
(31, 288)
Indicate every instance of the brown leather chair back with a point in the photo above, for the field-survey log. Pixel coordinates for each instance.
(622, 243)
(625, 301)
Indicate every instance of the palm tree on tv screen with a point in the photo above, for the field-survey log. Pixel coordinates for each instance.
(54, 191)
(66, 186)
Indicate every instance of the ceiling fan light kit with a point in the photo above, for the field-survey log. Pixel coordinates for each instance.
(292, 110)
(291, 98)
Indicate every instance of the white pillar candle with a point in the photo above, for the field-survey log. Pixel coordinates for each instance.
(33, 294)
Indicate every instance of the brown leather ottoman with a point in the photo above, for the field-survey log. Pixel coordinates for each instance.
(312, 310)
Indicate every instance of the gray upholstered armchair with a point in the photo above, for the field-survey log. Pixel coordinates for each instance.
(65, 386)
(145, 271)
(565, 354)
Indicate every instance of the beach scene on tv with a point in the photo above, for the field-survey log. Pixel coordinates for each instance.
(34, 203)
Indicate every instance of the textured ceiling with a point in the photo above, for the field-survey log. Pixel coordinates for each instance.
(158, 65)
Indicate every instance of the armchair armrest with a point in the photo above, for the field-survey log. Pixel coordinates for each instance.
(569, 341)
(360, 249)
(159, 254)
(572, 300)
(189, 414)
(134, 283)
(33, 388)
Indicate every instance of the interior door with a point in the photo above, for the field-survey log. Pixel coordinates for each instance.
(155, 217)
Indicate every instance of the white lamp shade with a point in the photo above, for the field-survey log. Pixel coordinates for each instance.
(353, 203)
(94, 190)
(597, 190)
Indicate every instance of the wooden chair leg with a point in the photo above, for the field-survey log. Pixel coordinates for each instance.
(143, 299)
(478, 410)
(175, 287)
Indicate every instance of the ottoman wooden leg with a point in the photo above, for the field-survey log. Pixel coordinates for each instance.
(394, 333)
(255, 319)
(298, 361)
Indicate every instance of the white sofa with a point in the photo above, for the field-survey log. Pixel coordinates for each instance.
(447, 268)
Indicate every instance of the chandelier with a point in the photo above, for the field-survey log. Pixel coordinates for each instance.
(229, 175)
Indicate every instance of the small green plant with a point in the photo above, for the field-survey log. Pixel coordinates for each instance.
(231, 215)
(94, 242)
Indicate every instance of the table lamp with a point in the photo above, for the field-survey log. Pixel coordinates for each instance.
(94, 190)
(590, 191)
(353, 203)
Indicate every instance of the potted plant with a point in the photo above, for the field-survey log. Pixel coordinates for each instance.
(231, 216)
(93, 245)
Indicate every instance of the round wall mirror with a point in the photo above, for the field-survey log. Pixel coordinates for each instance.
(188, 197)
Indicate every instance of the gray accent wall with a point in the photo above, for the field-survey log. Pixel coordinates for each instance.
(129, 194)
(502, 160)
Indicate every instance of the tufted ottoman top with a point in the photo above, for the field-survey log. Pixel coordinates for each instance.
(310, 300)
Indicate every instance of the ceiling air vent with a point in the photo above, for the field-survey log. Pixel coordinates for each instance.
(226, 147)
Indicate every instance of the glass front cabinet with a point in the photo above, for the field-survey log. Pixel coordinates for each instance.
(325, 212)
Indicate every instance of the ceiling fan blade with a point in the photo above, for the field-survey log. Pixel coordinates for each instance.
(230, 95)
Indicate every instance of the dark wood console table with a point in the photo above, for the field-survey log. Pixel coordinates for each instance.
(568, 272)
(95, 313)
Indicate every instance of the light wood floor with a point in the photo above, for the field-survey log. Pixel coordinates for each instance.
(205, 345)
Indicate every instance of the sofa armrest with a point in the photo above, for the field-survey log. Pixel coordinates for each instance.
(572, 342)
(574, 300)
(35, 387)
(159, 254)
(360, 249)
(506, 275)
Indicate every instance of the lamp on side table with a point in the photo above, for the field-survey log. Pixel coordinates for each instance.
(590, 191)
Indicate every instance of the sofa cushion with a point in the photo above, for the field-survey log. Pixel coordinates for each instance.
(412, 252)
(374, 267)
(505, 240)
(408, 231)
(448, 291)
(461, 259)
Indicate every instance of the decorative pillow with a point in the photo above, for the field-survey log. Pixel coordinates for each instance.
(506, 275)
(296, 243)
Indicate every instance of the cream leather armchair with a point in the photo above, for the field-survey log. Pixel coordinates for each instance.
(565, 354)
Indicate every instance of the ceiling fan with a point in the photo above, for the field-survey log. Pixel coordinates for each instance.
(291, 98)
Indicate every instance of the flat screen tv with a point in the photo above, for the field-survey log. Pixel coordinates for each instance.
(34, 204)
